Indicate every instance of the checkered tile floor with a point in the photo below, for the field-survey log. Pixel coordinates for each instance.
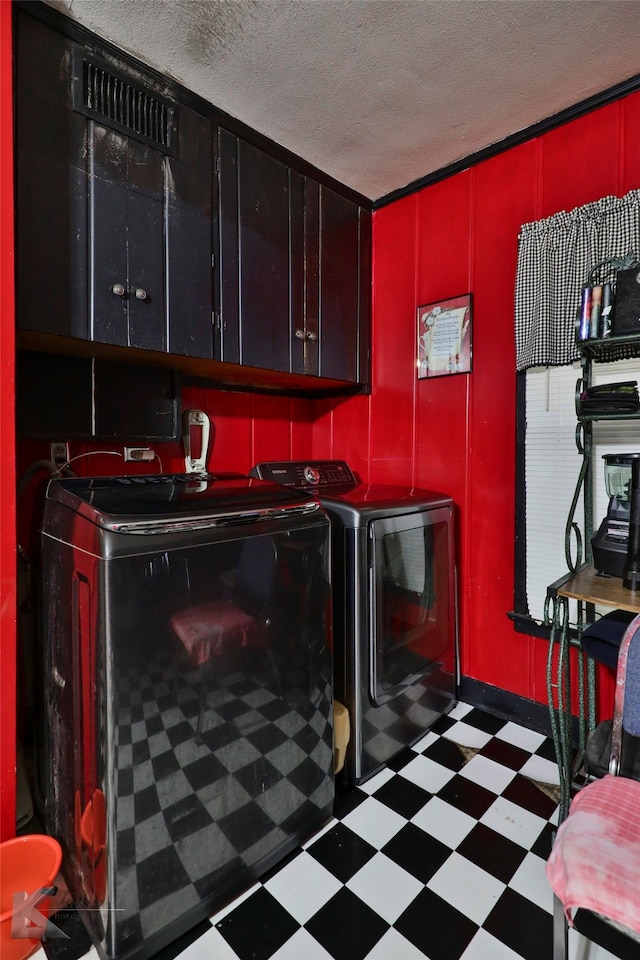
(440, 856)
(189, 819)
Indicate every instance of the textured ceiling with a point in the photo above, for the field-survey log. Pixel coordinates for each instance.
(379, 93)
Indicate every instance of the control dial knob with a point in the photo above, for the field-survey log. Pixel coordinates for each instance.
(311, 475)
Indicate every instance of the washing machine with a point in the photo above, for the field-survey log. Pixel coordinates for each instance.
(188, 693)
(394, 606)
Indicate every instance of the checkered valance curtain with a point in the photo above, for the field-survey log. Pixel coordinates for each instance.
(554, 259)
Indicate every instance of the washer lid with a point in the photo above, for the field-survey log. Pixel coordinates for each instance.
(145, 502)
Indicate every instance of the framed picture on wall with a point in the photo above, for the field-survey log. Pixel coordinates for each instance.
(444, 337)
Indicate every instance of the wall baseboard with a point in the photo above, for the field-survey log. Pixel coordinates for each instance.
(509, 706)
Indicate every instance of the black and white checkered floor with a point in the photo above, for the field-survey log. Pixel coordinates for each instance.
(439, 856)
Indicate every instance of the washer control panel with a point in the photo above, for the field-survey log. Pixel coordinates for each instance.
(308, 474)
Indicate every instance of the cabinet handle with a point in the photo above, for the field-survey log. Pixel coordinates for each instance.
(141, 293)
(118, 289)
(312, 336)
(300, 334)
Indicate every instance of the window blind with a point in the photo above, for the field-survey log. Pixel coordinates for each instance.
(552, 466)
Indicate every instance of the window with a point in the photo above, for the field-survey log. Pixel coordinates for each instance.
(555, 259)
(549, 467)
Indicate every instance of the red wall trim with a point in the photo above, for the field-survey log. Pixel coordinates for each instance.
(7, 444)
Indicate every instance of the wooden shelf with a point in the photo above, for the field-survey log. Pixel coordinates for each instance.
(591, 587)
(213, 373)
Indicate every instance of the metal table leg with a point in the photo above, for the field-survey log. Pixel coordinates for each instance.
(559, 697)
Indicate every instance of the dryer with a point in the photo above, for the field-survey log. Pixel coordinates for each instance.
(394, 606)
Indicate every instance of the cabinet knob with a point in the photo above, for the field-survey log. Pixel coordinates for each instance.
(300, 334)
(141, 293)
(312, 336)
(118, 289)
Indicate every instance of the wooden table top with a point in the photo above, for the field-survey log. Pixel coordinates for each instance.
(591, 587)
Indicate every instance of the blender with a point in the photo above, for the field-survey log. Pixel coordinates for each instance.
(610, 542)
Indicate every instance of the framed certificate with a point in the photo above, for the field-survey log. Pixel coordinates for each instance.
(444, 337)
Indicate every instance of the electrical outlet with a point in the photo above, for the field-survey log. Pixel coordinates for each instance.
(138, 453)
(59, 454)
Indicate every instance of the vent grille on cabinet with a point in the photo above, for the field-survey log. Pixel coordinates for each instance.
(99, 92)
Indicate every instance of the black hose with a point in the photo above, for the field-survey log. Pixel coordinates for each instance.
(35, 467)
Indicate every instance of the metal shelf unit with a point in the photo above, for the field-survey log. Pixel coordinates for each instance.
(568, 676)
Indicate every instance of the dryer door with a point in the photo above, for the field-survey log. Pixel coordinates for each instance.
(412, 622)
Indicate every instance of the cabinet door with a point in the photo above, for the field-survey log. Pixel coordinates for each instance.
(102, 206)
(126, 241)
(160, 223)
(311, 256)
(364, 306)
(303, 355)
(264, 259)
(257, 291)
(109, 315)
(189, 238)
(337, 243)
(339, 287)
(51, 216)
(227, 254)
(146, 272)
(126, 267)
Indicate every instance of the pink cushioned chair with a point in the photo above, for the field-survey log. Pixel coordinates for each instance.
(594, 865)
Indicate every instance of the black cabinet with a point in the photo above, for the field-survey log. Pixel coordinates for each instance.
(250, 273)
(114, 202)
(294, 268)
(83, 398)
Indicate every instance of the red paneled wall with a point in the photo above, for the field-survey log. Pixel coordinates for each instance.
(458, 433)
(249, 428)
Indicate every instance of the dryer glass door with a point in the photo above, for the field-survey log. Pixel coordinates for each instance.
(412, 600)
